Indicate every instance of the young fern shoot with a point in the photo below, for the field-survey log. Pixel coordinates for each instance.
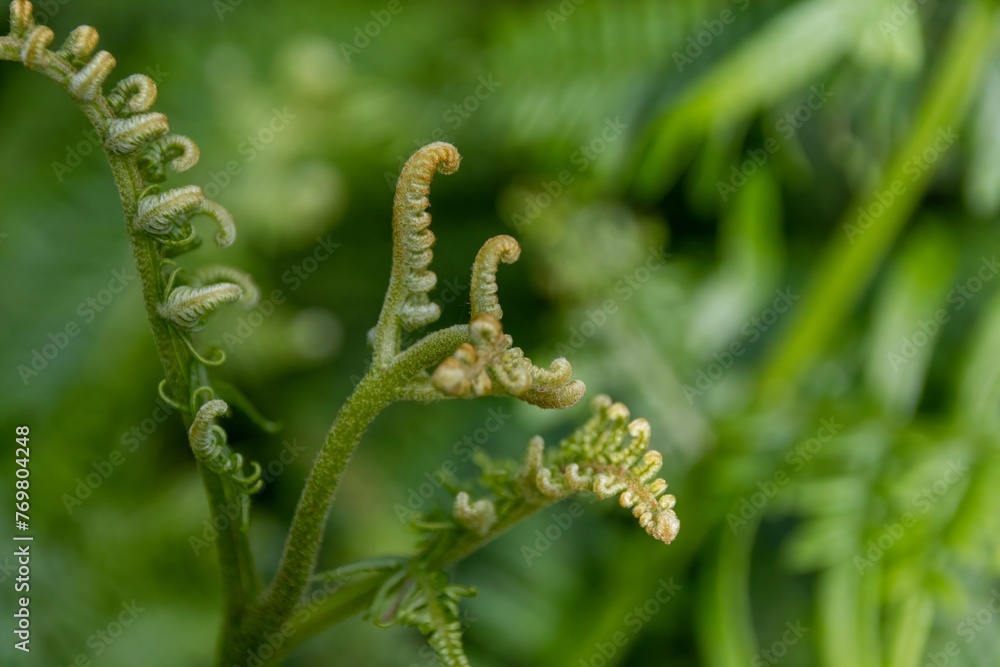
(607, 456)
(140, 151)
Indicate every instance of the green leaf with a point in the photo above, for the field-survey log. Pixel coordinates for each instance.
(908, 318)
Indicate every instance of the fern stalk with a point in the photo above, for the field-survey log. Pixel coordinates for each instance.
(376, 391)
(239, 583)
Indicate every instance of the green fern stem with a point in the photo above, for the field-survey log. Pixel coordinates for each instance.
(239, 579)
(378, 389)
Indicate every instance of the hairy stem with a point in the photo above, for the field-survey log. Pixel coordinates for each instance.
(376, 391)
(239, 579)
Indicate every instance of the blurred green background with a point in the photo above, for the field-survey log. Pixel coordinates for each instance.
(818, 353)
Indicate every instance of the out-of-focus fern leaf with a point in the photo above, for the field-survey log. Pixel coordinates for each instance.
(909, 315)
(725, 624)
(572, 72)
(853, 255)
(982, 187)
(751, 260)
(978, 394)
(759, 72)
(892, 41)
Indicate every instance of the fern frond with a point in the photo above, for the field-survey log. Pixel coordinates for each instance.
(162, 213)
(129, 128)
(208, 442)
(86, 85)
(609, 456)
(483, 288)
(227, 228)
(168, 214)
(407, 304)
(175, 150)
(425, 600)
(446, 639)
(34, 53)
(478, 517)
(21, 18)
(139, 149)
(126, 135)
(490, 365)
(132, 95)
(208, 275)
(186, 307)
(79, 44)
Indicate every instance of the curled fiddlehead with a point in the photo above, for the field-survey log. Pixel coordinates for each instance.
(126, 135)
(140, 148)
(478, 517)
(79, 44)
(608, 456)
(483, 288)
(167, 215)
(21, 18)
(208, 275)
(34, 53)
(407, 305)
(175, 150)
(133, 95)
(490, 365)
(87, 83)
(186, 306)
(208, 442)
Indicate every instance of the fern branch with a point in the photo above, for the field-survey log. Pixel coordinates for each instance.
(375, 392)
(129, 129)
(407, 305)
(490, 365)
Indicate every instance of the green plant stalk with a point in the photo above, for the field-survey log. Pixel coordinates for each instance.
(379, 388)
(909, 628)
(235, 558)
(846, 268)
(725, 618)
(311, 618)
(236, 564)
